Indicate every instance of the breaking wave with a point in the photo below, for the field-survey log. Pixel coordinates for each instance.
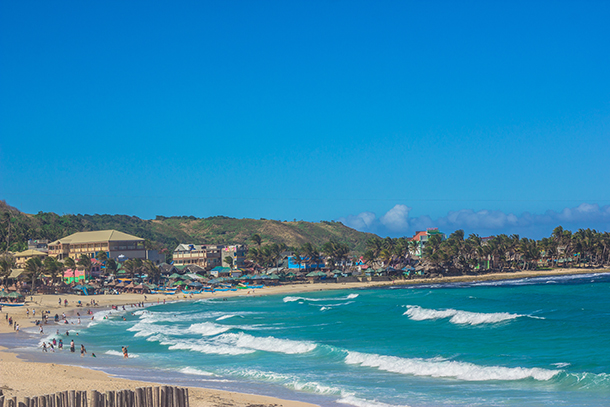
(208, 328)
(293, 299)
(117, 353)
(438, 367)
(268, 344)
(289, 381)
(355, 401)
(417, 313)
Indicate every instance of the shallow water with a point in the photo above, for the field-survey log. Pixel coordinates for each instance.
(534, 342)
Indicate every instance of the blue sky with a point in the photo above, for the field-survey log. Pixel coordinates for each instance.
(390, 116)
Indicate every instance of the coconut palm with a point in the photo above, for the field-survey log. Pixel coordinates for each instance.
(84, 262)
(34, 269)
(53, 267)
(69, 263)
(7, 262)
(256, 238)
(151, 270)
(229, 260)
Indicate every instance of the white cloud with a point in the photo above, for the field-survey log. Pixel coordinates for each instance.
(398, 222)
(397, 218)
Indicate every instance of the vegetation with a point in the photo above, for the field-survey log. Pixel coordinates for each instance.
(167, 232)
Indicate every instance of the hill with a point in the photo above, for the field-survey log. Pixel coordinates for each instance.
(168, 232)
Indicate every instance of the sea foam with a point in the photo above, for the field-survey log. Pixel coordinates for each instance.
(293, 299)
(267, 344)
(417, 313)
(438, 367)
(355, 401)
(208, 328)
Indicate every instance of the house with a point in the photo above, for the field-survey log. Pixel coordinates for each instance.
(206, 256)
(422, 236)
(113, 242)
(22, 257)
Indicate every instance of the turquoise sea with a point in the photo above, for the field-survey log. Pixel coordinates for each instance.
(530, 342)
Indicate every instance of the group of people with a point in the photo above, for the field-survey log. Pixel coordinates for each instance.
(60, 345)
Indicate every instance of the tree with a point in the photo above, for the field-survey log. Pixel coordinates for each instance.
(69, 263)
(111, 266)
(151, 269)
(85, 263)
(101, 256)
(7, 262)
(34, 269)
(53, 267)
(132, 267)
(229, 261)
(256, 238)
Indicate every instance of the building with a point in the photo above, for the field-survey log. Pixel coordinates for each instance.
(41, 245)
(23, 257)
(422, 236)
(206, 256)
(209, 256)
(237, 252)
(113, 242)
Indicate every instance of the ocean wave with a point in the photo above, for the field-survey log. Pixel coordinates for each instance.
(194, 371)
(417, 313)
(144, 328)
(117, 353)
(354, 401)
(293, 299)
(267, 344)
(290, 381)
(206, 347)
(225, 317)
(208, 328)
(437, 367)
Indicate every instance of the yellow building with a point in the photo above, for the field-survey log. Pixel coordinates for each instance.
(113, 242)
(21, 258)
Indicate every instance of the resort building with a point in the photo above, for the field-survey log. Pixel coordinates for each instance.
(206, 256)
(209, 256)
(23, 257)
(422, 236)
(237, 252)
(113, 242)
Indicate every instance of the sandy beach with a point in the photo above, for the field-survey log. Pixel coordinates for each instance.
(23, 379)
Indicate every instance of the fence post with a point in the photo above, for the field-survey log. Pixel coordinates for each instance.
(156, 397)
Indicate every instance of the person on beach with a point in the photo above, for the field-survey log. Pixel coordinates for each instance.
(33, 312)
(44, 347)
(27, 312)
(83, 352)
(60, 302)
(72, 347)
(124, 349)
(41, 330)
(61, 344)
(17, 328)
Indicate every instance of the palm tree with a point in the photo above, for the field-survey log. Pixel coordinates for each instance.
(256, 238)
(229, 261)
(69, 263)
(85, 262)
(151, 270)
(111, 266)
(7, 262)
(101, 256)
(53, 267)
(34, 269)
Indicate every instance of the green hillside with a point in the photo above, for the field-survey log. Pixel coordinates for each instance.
(168, 232)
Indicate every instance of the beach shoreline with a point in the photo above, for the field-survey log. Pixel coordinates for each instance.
(22, 378)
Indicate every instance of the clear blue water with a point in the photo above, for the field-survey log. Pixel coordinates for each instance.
(536, 342)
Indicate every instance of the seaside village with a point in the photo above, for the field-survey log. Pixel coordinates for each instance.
(114, 262)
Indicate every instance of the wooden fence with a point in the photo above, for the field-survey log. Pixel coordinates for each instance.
(164, 396)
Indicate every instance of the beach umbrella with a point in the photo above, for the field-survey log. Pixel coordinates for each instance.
(15, 294)
(195, 284)
(3, 294)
